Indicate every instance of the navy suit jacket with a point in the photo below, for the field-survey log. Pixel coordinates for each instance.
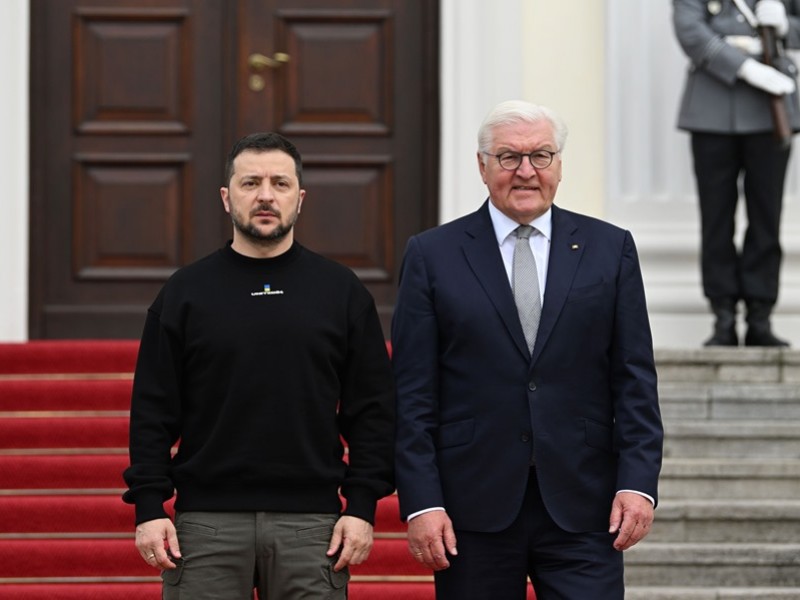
(474, 406)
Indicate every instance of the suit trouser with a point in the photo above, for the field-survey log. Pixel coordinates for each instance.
(561, 565)
(226, 555)
(751, 273)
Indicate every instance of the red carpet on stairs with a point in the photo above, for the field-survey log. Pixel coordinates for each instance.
(65, 533)
(59, 472)
(52, 357)
(66, 394)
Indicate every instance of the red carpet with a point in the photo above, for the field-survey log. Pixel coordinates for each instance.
(65, 394)
(80, 591)
(65, 534)
(68, 356)
(63, 432)
(82, 471)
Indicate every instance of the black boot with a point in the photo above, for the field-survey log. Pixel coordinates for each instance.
(725, 325)
(759, 330)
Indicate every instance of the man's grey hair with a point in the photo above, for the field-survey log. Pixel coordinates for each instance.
(520, 111)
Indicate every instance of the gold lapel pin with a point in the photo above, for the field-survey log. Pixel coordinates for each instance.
(574, 247)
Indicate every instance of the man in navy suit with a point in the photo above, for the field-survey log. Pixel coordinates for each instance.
(512, 460)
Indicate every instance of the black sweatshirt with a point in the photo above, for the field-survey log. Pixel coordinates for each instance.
(257, 367)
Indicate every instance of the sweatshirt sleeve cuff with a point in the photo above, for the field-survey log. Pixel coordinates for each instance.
(149, 506)
(362, 505)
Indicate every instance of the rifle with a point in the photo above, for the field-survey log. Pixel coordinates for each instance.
(780, 119)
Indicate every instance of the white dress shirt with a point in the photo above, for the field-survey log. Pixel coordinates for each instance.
(540, 241)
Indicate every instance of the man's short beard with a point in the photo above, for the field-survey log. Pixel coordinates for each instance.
(252, 233)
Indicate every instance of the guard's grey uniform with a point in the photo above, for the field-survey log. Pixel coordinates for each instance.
(731, 126)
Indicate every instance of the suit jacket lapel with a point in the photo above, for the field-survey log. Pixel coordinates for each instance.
(566, 249)
(483, 257)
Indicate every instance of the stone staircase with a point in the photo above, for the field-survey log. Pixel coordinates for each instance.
(728, 523)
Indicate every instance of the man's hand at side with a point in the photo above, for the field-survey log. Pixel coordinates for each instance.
(631, 519)
(431, 537)
(150, 541)
(354, 537)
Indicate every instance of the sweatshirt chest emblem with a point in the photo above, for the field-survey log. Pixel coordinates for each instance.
(267, 291)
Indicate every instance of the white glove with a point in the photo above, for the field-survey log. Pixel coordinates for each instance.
(765, 78)
(749, 44)
(772, 13)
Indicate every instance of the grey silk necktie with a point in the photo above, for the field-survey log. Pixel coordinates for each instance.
(525, 284)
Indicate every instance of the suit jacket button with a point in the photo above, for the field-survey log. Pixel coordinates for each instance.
(525, 437)
(532, 386)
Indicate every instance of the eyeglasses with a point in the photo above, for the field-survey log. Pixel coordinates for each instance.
(510, 161)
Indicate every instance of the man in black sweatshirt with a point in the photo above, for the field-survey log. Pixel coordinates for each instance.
(257, 362)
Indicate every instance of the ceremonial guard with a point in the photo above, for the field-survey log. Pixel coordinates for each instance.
(740, 106)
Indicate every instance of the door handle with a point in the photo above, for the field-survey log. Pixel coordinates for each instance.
(258, 61)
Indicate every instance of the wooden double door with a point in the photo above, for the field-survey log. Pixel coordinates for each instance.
(135, 103)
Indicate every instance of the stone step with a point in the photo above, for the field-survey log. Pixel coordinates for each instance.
(711, 593)
(704, 478)
(728, 365)
(761, 401)
(730, 439)
(730, 485)
(713, 565)
(728, 521)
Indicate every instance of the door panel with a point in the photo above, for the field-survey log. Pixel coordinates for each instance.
(338, 76)
(125, 167)
(134, 106)
(356, 91)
